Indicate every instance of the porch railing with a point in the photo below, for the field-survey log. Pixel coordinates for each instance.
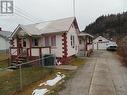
(33, 51)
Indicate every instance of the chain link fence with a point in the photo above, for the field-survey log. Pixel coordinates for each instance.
(15, 78)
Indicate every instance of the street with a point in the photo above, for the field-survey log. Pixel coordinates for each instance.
(103, 74)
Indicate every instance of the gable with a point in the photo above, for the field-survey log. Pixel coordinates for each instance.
(100, 39)
(19, 31)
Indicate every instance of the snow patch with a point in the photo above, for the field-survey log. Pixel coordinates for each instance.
(59, 63)
(40, 91)
(55, 80)
(52, 82)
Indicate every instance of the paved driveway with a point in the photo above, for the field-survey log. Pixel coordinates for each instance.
(103, 74)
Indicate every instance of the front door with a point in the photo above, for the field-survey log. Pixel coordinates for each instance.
(19, 45)
(24, 45)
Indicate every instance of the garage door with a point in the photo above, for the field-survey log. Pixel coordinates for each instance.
(102, 45)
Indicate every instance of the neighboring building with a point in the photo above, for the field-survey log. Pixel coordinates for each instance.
(102, 43)
(4, 40)
(58, 37)
(85, 44)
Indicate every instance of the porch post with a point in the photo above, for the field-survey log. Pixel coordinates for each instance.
(86, 43)
(17, 46)
(30, 40)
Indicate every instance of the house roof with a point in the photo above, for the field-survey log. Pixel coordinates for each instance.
(81, 34)
(5, 34)
(100, 38)
(55, 26)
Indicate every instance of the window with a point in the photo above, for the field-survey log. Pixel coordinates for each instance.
(50, 40)
(47, 41)
(24, 42)
(53, 40)
(100, 40)
(72, 41)
(35, 41)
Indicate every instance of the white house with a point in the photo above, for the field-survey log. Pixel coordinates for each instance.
(58, 37)
(4, 41)
(102, 43)
(85, 44)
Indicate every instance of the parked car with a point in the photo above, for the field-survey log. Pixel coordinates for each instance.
(112, 48)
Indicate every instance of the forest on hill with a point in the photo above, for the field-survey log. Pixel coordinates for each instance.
(109, 26)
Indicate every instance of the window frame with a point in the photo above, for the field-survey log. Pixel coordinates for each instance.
(53, 40)
(35, 42)
(72, 38)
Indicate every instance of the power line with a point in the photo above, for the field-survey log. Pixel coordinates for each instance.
(25, 13)
(21, 15)
(27, 18)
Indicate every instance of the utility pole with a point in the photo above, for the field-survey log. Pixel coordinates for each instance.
(74, 8)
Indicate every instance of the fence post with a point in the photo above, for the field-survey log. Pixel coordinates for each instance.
(20, 71)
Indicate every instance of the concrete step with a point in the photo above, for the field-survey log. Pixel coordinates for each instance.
(19, 62)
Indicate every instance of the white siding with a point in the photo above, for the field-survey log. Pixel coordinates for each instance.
(71, 50)
(42, 42)
(58, 49)
(4, 44)
(100, 44)
(13, 51)
(27, 43)
(45, 51)
(35, 52)
(82, 45)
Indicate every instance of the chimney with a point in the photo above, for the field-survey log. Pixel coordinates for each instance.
(0, 29)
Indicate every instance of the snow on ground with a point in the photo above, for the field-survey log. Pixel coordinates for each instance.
(40, 91)
(55, 80)
(52, 82)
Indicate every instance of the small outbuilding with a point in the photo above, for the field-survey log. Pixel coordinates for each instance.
(101, 43)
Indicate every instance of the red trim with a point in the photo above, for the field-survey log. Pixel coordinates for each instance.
(64, 47)
(63, 61)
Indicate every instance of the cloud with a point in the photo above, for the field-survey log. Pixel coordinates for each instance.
(86, 10)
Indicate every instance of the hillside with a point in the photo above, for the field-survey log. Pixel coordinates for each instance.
(110, 26)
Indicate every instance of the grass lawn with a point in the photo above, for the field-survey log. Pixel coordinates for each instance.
(3, 60)
(60, 85)
(53, 90)
(10, 81)
(3, 56)
(77, 61)
(32, 77)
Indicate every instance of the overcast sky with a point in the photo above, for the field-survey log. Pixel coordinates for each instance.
(42, 10)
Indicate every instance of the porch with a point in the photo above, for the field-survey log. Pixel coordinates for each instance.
(85, 44)
(20, 54)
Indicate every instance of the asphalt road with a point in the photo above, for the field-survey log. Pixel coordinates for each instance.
(103, 74)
